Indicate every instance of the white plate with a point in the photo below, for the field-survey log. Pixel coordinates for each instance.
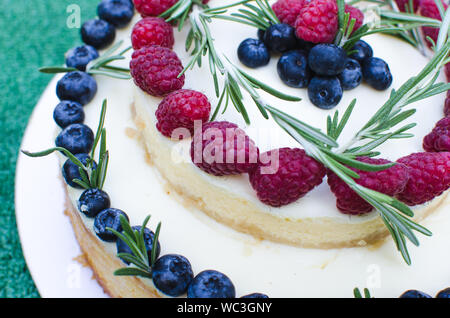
(47, 238)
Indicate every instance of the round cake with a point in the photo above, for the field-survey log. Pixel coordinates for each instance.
(307, 248)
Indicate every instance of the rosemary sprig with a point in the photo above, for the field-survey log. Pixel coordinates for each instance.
(99, 66)
(91, 177)
(142, 263)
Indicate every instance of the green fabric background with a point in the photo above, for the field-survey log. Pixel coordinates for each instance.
(33, 33)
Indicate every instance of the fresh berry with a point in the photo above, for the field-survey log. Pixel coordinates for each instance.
(327, 59)
(447, 72)
(237, 152)
(153, 7)
(351, 76)
(445, 293)
(255, 295)
(390, 181)
(149, 237)
(363, 51)
(80, 56)
(253, 53)
(356, 14)
(285, 175)
(428, 8)
(414, 294)
(287, 11)
(76, 86)
(439, 138)
(93, 201)
(325, 91)
(280, 38)
(67, 113)
(98, 33)
(403, 4)
(293, 69)
(304, 45)
(152, 31)
(180, 109)
(77, 138)
(429, 176)
(211, 284)
(109, 218)
(447, 105)
(155, 70)
(172, 274)
(71, 171)
(376, 73)
(317, 22)
(117, 12)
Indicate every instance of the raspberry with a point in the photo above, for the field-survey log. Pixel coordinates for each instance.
(223, 149)
(439, 138)
(155, 70)
(429, 176)
(153, 8)
(179, 110)
(447, 71)
(152, 31)
(287, 11)
(447, 105)
(317, 22)
(390, 181)
(356, 14)
(428, 8)
(296, 174)
(401, 4)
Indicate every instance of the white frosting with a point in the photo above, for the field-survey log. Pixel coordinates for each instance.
(275, 269)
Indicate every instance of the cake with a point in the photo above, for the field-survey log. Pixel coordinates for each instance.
(218, 222)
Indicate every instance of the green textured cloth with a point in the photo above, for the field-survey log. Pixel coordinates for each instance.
(33, 33)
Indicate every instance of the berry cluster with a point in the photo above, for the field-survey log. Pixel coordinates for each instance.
(308, 58)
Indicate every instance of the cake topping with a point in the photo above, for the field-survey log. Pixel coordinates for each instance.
(390, 181)
(67, 113)
(429, 176)
(152, 31)
(253, 53)
(80, 56)
(181, 109)
(285, 175)
(155, 70)
(77, 86)
(93, 201)
(106, 221)
(117, 12)
(288, 10)
(76, 138)
(172, 274)
(376, 73)
(149, 241)
(98, 33)
(211, 284)
(153, 8)
(293, 69)
(439, 138)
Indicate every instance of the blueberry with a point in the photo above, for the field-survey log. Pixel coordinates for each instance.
(305, 45)
(108, 218)
(70, 170)
(148, 240)
(325, 92)
(67, 113)
(98, 33)
(172, 274)
(93, 201)
(255, 295)
(280, 38)
(211, 284)
(376, 73)
(80, 56)
(117, 12)
(414, 294)
(351, 76)
(327, 59)
(261, 33)
(445, 293)
(77, 138)
(76, 86)
(293, 69)
(253, 53)
(363, 51)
